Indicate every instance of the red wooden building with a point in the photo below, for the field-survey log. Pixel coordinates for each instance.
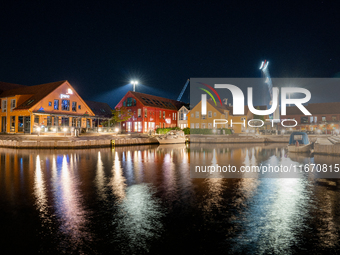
(149, 112)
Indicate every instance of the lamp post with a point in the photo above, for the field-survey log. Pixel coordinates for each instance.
(134, 83)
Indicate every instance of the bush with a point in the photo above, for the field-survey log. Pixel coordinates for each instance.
(163, 131)
(186, 131)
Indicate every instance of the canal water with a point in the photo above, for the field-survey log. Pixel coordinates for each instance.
(138, 200)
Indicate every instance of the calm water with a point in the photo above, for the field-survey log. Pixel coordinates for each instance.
(135, 200)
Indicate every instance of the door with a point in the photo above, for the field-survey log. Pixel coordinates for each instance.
(3, 124)
(27, 124)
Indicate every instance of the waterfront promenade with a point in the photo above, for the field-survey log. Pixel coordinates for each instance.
(323, 144)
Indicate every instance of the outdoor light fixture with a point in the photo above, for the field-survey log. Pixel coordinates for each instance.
(65, 129)
(38, 129)
(117, 129)
(134, 83)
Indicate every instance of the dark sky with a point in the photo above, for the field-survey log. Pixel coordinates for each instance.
(99, 46)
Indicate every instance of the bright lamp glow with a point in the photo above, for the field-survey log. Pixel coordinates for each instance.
(38, 129)
(117, 129)
(65, 129)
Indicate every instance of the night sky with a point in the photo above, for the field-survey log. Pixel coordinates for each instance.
(100, 46)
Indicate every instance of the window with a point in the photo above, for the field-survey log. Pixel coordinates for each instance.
(163, 114)
(192, 125)
(130, 101)
(311, 119)
(304, 120)
(203, 116)
(36, 120)
(13, 103)
(12, 127)
(209, 125)
(65, 121)
(145, 113)
(79, 107)
(192, 115)
(56, 104)
(323, 118)
(160, 114)
(197, 114)
(315, 119)
(139, 113)
(65, 105)
(49, 103)
(214, 114)
(184, 116)
(49, 121)
(333, 118)
(173, 116)
(74, 106)
(20, 124)
(197, 125)
(4, 105)
(56, 121)
(203, 125)
(210, 114)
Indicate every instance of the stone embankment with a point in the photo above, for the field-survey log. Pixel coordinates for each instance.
(36, 142)
(327, 145)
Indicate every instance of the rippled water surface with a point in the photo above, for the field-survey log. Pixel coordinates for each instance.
(135, 200)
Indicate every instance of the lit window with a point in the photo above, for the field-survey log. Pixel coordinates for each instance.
(56, 104)
(74, 106)
(65, 105)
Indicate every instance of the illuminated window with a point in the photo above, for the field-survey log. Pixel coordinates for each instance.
(56, 104)
(163, 114)
(74, 106)
(12, 120)
(145, 113)
(139, 113)
(65, 105)
(323, 118)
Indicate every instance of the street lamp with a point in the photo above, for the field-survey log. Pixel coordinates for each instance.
(134, 83)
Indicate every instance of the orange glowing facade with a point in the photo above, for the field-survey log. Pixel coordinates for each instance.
(51, 107)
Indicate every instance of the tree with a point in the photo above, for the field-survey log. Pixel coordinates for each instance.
(121, 114)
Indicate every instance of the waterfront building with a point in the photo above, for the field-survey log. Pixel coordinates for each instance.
(47, 108)
(149, 112)
(325, 117)
(221, 112)
(183, 113)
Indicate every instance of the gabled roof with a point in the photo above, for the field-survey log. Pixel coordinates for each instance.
(100, 109)
(38, 92)
(8, 86)
(155, 101)
(316, 108)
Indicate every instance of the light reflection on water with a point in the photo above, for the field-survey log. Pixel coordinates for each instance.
(142, 199)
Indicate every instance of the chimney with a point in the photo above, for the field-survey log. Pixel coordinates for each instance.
(225, 101)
